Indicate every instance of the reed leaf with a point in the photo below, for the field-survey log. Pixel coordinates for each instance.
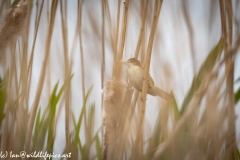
(204, 71)
(3, 96)
(237, 96)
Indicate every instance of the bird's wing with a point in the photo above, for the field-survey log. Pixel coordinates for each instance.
(150, 81)
(136, 86)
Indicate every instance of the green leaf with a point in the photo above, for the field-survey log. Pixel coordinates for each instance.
(56, 96)
(44, 127)
(237, 96)
(3, 96)
(74, 120)
(238, 154)
(74, 146)
(205, 69)
(15, 2)
(54, 99)
(40, 132)
(77, 126)
(175, 109)
(37, 125)
(91, 116)
(155, 139)
(98, 148)
(97, 145)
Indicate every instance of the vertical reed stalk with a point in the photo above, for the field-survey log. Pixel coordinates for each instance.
(111, 30)
(117, 66)
(80, 3)
(12, 80)
(226, 19)
(23, 99)
(103, 56)
(192, 106)
(138, 146)
(140, 38)
(38, 16)
(113, 106)
(191, 34)
(117, 26)
(80, 8)
(67, 73)
(42, 77)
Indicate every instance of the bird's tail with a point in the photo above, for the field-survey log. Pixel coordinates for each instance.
(161, 93)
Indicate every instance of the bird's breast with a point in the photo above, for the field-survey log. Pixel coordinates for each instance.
(135, 76)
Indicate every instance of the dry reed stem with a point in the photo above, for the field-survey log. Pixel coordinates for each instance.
(48, 13)
(125, 129)
(117, 26)
(25, 51)
(8, 112)
(194, 103)
(139, 43)
(132, 106)
(80, 3)
(113, 43)
(119, 143)
(114, 98)
(15, 21)
(214, 120)
(38, 16)
(103, 51)
(117, 66)
(23, 99)
(37, 12)
(103, 57)
(144, 35)
(124, 29)
(104, 135)
(13, 25)
(191, 34)
(2, 9)
(14, 66)
(48, 78)
(227, 36)
(138, 147)
(110, 116)
(42, 77)
(131, 110)
(230, 21)
(192, 106)
(67, 73)
(215, 123)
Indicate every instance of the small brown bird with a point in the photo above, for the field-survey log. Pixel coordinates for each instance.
(135, 74)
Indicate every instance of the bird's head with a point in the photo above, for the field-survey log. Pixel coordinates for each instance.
(132, 62)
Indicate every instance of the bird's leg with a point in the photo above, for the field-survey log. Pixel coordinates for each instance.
(142, 98)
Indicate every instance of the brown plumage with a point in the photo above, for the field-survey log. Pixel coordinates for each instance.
(135, 74)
